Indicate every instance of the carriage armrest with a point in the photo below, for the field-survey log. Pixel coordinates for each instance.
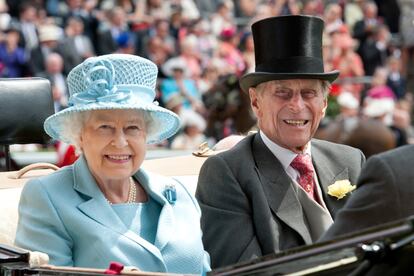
(11, 184)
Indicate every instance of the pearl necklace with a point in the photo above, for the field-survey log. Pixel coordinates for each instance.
(132, 193)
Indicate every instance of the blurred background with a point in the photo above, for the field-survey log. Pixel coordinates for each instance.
(202, 47)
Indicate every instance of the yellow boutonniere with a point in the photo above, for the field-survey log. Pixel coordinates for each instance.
(340, 188)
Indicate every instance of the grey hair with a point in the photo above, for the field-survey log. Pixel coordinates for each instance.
(326, 87)
(73, 123)
(72, 126)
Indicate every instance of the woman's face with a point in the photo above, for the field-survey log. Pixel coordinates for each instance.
(113, 143)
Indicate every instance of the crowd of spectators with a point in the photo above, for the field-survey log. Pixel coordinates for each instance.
(202, 47)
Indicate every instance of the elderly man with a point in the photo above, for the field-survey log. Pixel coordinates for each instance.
(270, 191)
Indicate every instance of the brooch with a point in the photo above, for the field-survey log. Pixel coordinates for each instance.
(340, 188)
(170, 193)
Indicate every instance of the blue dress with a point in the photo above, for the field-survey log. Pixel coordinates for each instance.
(142, 218)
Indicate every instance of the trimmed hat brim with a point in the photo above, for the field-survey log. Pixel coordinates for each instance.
(255, 78)
(165, 122)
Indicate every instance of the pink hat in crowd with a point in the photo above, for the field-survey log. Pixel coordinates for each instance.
(380, 101)
(381, 92)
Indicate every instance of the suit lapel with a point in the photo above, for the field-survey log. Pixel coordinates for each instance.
(279, 189)
(97, 208)
(317, 217)
(328, 173)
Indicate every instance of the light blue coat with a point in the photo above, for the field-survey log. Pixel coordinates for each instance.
(66, 215)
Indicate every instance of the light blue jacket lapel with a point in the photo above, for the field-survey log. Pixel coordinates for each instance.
(97, 207)
(154, 186)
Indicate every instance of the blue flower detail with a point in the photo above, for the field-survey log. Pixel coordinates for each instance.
(100, 85)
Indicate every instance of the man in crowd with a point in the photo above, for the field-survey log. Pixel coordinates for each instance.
(270, 192)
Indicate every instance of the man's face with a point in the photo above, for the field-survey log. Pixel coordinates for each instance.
(289, 111)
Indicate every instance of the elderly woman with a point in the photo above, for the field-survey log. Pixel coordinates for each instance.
(105, 207)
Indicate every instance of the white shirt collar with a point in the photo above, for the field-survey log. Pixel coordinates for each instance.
(284, 155)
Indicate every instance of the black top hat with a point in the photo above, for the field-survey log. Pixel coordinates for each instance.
(287, 47)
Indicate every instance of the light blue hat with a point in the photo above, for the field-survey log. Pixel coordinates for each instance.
(116, 81)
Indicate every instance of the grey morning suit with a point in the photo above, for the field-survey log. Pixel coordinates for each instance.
(250, 206)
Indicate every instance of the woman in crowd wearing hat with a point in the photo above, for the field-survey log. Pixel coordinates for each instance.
(104, 207)
(180, 83)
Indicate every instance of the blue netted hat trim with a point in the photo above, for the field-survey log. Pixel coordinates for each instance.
(116, 81)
